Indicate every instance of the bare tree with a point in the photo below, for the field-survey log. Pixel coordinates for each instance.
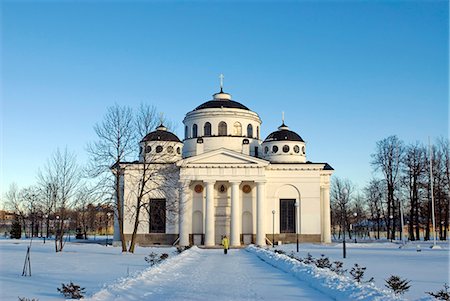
(62, 170)
(31, 201)
(374, 196)
(414, 167)
(14, 203)
(444, 145)
(341, 192)
(114, 145)
(387, 160)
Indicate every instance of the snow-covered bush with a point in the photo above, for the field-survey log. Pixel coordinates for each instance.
(443, 294)
(342, 288)
(154, 258)
(279, 251)
(323, 262)
(357, 273)
(397, 285)
(338, 268)
(71, 290)
(181, 249)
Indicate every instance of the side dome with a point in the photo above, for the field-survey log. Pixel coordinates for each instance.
(160, 146)
(283, 134)
(284, 146)
(161, 134)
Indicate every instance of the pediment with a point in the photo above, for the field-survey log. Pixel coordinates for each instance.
(222, 157)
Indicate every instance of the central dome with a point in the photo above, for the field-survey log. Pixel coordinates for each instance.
(221, 100)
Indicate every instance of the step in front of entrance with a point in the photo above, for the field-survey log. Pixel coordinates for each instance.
(219, 247)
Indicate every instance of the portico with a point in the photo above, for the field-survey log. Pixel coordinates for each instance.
(217, 194)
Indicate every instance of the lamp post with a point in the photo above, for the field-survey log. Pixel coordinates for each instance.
(107, 222)
(344, 249)
(355, 214)
(297, 205)
(58, 230)
(273, 228)
(46, 227)
(391, 219)
(68, 227)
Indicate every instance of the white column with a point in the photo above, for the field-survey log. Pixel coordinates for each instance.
(209, 219)
(235, 216)
(185, 220)
(326, 214)
(260, 200)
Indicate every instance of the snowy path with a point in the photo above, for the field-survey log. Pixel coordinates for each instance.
(209, 274)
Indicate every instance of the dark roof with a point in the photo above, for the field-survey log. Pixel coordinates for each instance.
(325, 167)
(221, 103)
(160, 135)
(328, 167)
(284, 135)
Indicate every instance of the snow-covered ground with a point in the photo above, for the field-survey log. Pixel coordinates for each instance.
(88, 264)
(198, 274)
(427, 270)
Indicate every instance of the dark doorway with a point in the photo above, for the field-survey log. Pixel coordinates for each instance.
(287, 215)
(157, 216)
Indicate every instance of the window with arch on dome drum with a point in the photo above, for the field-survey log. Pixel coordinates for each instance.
(207, 129)
(222, 128)
(237, 129)
(186, 132)
(249, 131)
(194, 131)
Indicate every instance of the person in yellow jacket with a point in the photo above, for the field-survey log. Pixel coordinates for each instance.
(225, 244)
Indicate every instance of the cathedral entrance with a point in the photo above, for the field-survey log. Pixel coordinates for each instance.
(222, 214)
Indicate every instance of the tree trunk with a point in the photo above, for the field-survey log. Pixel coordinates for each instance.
(119, 209)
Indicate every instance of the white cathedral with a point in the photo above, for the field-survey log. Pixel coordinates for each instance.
(223, 179)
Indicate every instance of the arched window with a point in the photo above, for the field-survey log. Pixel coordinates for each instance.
(185, 132)
(194, 131)
(249, 131)
(257, 132)
(237, 129)
(207, 129)
(222, 129)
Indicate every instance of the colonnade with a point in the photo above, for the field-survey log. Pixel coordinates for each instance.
(185, 221)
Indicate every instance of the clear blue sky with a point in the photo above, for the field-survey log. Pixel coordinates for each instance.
(346, 73)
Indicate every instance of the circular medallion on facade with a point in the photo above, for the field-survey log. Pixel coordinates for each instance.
(159, 149)
(148, 149)
(266, 149)
(170, 149)
(274, 148)
(246, 189)
(296, 149)
(222, 188)
(178, 150)
(286, 148)
(198, 188)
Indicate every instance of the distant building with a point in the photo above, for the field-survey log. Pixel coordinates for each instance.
(228, 182)
(6, 220)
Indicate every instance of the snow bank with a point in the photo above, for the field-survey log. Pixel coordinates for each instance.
(324, 280)
(124, 285)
